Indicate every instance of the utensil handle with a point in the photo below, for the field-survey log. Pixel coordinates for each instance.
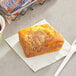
(67, 58)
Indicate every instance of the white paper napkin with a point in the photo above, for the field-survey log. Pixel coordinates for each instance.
(38, 62)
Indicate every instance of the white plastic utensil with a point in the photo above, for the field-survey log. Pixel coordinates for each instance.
(67, 58)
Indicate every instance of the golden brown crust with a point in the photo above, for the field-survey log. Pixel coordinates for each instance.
(39, 40)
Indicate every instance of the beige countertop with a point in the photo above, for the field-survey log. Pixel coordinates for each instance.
(59, 13)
